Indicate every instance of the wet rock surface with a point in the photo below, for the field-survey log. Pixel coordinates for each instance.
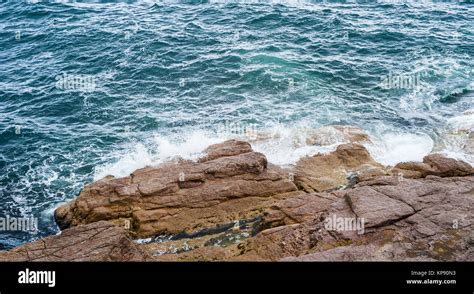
(336, 134)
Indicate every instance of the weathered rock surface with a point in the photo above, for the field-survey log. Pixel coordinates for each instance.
(376, 207)
(324, 172)
(99, 241)
(436, 165)
(227, 148)
(230, 183)
(412, 219)
(233, 205)
(299, 209)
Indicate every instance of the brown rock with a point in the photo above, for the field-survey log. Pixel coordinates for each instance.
(435, 164)
(375, 207)
(447, 167)
(99, 241)
(227, 148)
(298, 209)
(184, 196)
(357, 253)
(233, 205)
(324, 172)
(404, 219)
(209, 253)
(408, 219)
(276, 243)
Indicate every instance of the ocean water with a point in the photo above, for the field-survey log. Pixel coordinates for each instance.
(91, 89)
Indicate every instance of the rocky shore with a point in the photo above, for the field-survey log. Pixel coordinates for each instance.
(232, 204)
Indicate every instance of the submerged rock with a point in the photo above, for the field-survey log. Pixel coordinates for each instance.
(323, 136)
(337, 134)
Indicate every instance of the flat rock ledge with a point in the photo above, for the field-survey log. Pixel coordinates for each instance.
(99, 241)
(233, 205)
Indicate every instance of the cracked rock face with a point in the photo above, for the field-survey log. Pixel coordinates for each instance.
(99, 241)
(411, 219)
(375, 207)
(230, 182)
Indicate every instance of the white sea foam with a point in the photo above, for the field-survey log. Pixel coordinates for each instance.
(282, 145)
(424, 94)
(392, 147)
(136, 158)
(462, 122)
(189, 147)
(159, 150)
(455, 138)
(285, 146)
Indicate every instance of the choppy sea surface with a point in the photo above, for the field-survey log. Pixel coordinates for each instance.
(91, 89)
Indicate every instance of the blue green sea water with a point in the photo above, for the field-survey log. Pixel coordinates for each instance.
(91, 89)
